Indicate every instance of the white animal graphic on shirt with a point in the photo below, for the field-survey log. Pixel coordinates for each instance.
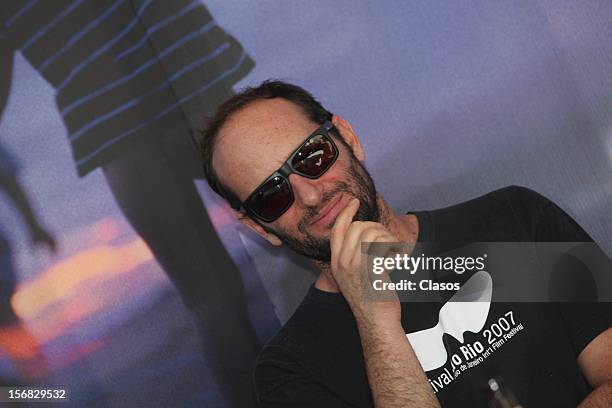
(466, 310)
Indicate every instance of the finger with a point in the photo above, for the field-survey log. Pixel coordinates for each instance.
(386, 250)
(355, 229)
(341, 225)
(389, 246)
(357, 233)
(373, 236)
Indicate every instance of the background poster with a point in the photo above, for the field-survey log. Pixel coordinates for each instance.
(451, 100)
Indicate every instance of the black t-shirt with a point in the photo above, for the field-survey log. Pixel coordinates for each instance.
(316, 359)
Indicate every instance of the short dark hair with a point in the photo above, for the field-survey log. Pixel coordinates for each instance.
(266, 90)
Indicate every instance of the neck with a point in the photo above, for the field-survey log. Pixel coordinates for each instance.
(404, 227)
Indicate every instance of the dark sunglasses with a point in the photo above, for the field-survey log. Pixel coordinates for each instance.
(311, 159)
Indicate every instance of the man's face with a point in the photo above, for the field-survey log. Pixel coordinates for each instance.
(257, 140)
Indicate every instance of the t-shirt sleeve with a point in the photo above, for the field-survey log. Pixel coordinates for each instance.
(543, 219)
(280, 381)
(555, 225)
(583, 321)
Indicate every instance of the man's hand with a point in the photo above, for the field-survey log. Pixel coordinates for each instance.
(396, 378)
(347, 262)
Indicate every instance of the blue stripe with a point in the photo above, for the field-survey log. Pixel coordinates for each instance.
(20, 12)
(50, 25)
(69, 108)
(135, 101)
(80, 35)
(104, 146)
(156, 27)
(102, 49)
(199, 61)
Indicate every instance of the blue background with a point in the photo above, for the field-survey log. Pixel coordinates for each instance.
(451, 100)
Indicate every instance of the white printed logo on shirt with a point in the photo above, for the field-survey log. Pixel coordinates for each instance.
(466, 310)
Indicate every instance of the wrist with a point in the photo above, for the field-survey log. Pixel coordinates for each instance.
(384, 314)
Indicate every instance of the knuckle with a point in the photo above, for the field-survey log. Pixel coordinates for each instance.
(344, 263)
(373, 224)
(380, 239)
(357, 224)
(386, 237)
(370, 235)
(356, 227)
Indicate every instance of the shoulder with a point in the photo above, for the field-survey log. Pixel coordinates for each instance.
(512, 213)
(519, 199)
(525, 206)
(522, 198)
(302, 358)
(305, 328)
(282, 369)
(275, 366)
(281, 354)
(546, 220)
(506, 214)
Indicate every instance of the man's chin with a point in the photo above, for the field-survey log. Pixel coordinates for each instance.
(317, 255)
(315, 235)
(322, 232)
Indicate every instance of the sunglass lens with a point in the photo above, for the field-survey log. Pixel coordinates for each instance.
(315, 157)
(272, 199)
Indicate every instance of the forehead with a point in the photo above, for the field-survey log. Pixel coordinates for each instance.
(255, 141)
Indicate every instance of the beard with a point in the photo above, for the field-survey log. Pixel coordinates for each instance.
(360, 186)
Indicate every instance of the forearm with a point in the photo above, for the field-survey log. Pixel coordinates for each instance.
(395, 375)
(601, 397)
(394, 372)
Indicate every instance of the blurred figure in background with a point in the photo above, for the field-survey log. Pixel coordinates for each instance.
(15, 339)
(133, 80)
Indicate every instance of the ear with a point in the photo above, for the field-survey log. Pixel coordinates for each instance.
(258, 229)
(349, 136)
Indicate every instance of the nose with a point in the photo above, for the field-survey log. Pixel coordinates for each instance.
(307, 192)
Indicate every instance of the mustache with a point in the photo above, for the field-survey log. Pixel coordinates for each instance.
(312, 212)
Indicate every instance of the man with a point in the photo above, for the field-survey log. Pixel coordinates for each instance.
(294, 173)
